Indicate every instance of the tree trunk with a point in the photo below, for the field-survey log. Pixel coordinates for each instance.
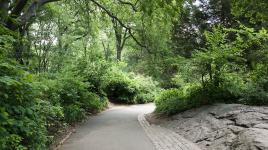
(16, 15)
(119, 54)
(106, 50)
(4, 11)
(121, 37)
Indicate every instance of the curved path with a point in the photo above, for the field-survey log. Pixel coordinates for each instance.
(115, 129)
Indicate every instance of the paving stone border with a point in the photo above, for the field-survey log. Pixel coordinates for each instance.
(165, 139)
(65, 138)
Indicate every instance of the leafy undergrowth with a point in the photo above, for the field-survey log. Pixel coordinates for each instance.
(130, 88)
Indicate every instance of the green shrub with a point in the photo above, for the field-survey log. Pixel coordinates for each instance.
(65, 99)
(49, 104)
(256, 93)
(94, 103)
(255, 96)
(93, 73)
(67, 90)
(124, 87)
(171, 101)
(74, 113)
(196, 95)
(143, 98)
(147, 89)
(54, 118)
(192, 95)
(72, 90)
(119, 87)
(121, 90)
(21, 122)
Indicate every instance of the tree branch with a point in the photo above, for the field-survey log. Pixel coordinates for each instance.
(125, 37)
(128, 3)
(19, 7)
(110, 14)
(31, 11)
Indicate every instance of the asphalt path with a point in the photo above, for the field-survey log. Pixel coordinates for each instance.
(114, 129)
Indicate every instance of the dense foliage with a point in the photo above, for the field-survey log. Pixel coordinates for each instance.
(21, 119)
(225, 60)
(63, 60)
(130, 88)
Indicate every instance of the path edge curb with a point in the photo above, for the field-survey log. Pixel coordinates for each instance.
(163, 138)
(59, 145)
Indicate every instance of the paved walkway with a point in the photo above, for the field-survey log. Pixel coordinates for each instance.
(165, 139)
(125, 128)
(115, 129)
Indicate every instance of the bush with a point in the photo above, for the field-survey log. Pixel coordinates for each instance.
(93, 74)
(192, 95)
(94, 103)
(21, 122)
(130, 88)
(147, 89)
(171, 101)
(255, 96)
(73, 90)
(67, 89)
(54, 118)
(232, 89)
(256, 93)
(74, 113)
(65, 99)
(121, 90)
(143, 98)
(196, 95)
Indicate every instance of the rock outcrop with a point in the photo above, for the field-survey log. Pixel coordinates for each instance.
(221, 126)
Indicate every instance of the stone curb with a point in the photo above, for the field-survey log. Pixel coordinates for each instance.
(165, 139)
(64, 139)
